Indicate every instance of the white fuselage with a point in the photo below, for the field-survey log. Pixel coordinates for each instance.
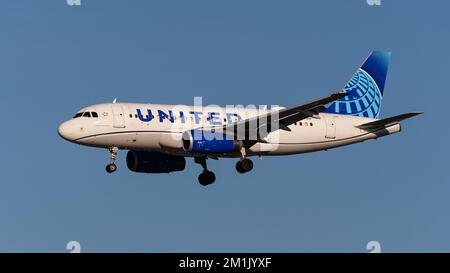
(157, 127)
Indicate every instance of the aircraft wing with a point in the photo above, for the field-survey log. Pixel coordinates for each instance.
(258, 127)
(386, 121)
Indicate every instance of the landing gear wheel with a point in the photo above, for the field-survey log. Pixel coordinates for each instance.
(110, 168)
(244, 165)
(239, 167)
(206, 178)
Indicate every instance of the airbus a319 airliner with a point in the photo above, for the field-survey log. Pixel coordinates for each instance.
(159, 137)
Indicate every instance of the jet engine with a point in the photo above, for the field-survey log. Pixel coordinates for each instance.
(209, 142)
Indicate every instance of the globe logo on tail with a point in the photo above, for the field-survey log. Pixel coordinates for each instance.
(364, 97)
(365, 88)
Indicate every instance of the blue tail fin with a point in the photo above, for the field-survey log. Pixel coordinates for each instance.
(365, 88)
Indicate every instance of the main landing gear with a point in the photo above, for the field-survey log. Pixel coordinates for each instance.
(206, 177)
(244, 165)
(110, 168)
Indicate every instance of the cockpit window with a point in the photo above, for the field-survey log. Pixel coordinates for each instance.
(86, 115)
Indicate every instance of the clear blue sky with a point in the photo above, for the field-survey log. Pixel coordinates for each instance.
(56, 59)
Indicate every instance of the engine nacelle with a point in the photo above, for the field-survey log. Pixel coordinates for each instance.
(209, 142)
(154, 162)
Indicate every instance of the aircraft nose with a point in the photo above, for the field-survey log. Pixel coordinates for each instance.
(66, 131)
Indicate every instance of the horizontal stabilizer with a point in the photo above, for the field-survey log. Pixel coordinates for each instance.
(386, 122)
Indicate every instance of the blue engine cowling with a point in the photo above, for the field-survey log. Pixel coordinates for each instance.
(154, 162)
(209, 142)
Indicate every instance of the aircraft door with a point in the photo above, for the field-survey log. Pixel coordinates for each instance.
(330, 127)
(118, 116)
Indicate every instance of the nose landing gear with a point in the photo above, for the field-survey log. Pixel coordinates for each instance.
(110, 168)
(206, 177)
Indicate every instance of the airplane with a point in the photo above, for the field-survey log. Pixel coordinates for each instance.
(159, 137)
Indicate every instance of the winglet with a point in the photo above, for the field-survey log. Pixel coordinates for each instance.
(115, 100)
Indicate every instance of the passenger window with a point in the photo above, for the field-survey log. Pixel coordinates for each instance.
(311, 124)
(77, 115)
(94, 114)
(87, 115)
